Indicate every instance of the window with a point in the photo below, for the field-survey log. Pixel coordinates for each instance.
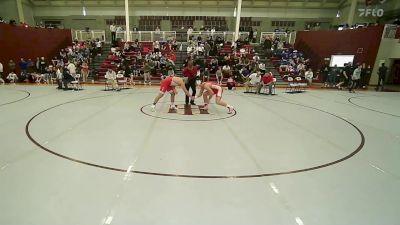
(283, 23)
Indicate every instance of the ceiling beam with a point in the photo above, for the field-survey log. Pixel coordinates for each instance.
(311, 4)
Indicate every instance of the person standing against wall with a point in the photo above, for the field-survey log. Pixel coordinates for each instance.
(1, 71)
(355, 79)
(381, 76)
(324, 71)
(113, 32)
(365, 74)
(254, 36)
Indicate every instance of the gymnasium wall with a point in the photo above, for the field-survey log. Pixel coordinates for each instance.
(18, 42)
(8, 10)
(72, 17)
(390, 7)
(389, 50)
(344, 14)
(28, 13)
(318, 45)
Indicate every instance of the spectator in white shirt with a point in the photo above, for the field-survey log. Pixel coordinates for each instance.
(59, 76)
(189, 31)
(157, 31)
(256, 58)
(156, 46)
(309, 76)
(200, 49)
(126, 47)
(301, 69)
(98, 47)
(219, 75)
(254, 35)
(1, 73)
(111, 77)
(226, 71)
(261, 66)
(39, 77)
(12, 77)
(120, 29)
(255, 79)
(113, 32)
(72, 69)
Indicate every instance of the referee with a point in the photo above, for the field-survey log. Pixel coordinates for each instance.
(190, 72)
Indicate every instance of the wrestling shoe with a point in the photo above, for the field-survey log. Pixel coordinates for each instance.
(153, 108)
(205, 107)
(173, 107)
(230, 109)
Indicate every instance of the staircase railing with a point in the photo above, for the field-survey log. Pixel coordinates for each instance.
(83, 35)
(148, 35)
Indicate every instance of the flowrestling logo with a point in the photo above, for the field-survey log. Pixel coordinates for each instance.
(368, 11)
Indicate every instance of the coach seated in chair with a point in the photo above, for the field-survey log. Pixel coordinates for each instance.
(12, 77)
(67, 78)
(266, 81)
(111, 77)
(231, 83)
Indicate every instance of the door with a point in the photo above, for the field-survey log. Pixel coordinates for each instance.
(395, 72)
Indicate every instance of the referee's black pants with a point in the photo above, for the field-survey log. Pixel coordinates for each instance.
(190, 84)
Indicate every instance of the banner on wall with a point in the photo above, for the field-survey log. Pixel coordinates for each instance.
(373, 8)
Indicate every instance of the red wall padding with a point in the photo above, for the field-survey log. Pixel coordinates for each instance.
(318, 45)
(18, 42)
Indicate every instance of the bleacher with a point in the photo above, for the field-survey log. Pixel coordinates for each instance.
(146, 47)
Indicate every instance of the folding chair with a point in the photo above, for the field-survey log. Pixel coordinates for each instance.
(121, 81)
(76, 83)
(301, 85)
(292, 86)
(107, 85)
(266, 87)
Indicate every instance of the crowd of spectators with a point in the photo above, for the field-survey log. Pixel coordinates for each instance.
(134, 59)
(62, 68)
(349, 77)
(231, 63)
(24, 24)
(292, 63)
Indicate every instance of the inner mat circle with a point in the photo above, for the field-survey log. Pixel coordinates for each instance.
(187, 112)
(268, 137)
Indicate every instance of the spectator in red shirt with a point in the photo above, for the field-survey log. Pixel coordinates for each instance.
(266, 80)
(230, 83)
(190, 72)
(172, 56)
(84, 70)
